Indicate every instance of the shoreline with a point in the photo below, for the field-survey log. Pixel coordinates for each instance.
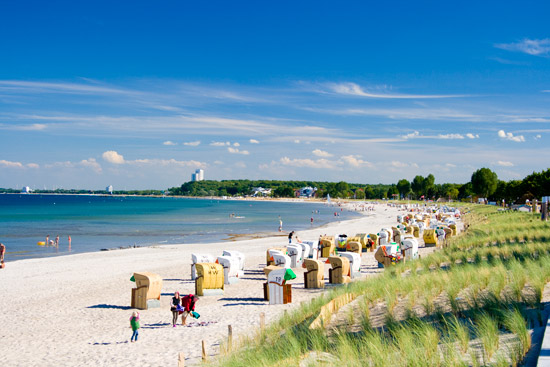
(220, 237)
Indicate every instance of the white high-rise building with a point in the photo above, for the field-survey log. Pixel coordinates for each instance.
(198, 175)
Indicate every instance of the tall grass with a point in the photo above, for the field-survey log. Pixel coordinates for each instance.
(502, 264)
(487, 330)
(515, 322)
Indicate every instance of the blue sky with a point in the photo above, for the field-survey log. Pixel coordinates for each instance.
(139, 95)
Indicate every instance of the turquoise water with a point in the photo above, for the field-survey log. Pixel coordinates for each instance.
(105, 222)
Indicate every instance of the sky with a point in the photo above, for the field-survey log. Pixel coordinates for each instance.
(139, 94)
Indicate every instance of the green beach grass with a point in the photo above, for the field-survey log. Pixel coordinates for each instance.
(471, 303)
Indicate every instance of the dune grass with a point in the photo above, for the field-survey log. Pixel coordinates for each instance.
(492, 278)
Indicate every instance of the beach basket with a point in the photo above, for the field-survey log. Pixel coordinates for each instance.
(209, 276)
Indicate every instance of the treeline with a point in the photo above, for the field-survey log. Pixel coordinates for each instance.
(483, 184)
(281, 188)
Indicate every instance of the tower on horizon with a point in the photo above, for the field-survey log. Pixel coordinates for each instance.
(198, 175)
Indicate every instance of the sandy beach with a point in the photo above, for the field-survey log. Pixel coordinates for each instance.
(74, 310)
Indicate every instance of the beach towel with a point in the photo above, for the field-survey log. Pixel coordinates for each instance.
(200, 323)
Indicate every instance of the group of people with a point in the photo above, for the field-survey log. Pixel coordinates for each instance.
(183, 306)
(292, 235)
(180, 305)
(56, 241)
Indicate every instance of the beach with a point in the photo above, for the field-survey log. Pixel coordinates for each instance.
(74, 310)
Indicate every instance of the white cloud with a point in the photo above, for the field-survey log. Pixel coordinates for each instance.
(531, 47)
(236, 144)
(412, 135)
(472, 136)
(297, 141)
(352, 89)
(220, 143)
(355, 161)
(192, 143)
(58, 87)
(166, 162)
(398, 164)
(33, 127)
(538, 136)
(8, 164)
(505, 164)
(237, 151)
(113, 157)
(417, 135)
(168, 142)
(450, 165)
(92, 163)
(319, 163)
(450, 136)
(254, 141)
(321, 153)
(509, 136)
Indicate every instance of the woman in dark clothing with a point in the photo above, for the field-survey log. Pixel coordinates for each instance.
(174, 308)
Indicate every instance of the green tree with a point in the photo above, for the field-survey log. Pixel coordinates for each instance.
(369, 193)
(453, 193)
(484, 182)
(284, 191)
(392, 191)
(417, 186)
(428, 185)
(404, 187)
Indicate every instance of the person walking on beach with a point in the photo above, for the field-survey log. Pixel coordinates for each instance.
(290, 235)
(188, 303)
(134, 323)
(175, 307)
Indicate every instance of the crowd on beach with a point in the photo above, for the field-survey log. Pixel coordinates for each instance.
(184, 306)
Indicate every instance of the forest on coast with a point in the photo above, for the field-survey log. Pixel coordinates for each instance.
(483, 184)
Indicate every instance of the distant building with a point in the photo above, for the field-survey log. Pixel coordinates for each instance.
(109, 189)
(260, 191)
(26, 190)
(198, 175)
(307, 192)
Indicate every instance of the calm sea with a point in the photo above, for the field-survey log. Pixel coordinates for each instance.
(104, 222)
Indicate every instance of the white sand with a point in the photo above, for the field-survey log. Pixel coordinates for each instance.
(74, 310)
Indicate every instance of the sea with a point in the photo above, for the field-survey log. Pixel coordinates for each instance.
(97, 223)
